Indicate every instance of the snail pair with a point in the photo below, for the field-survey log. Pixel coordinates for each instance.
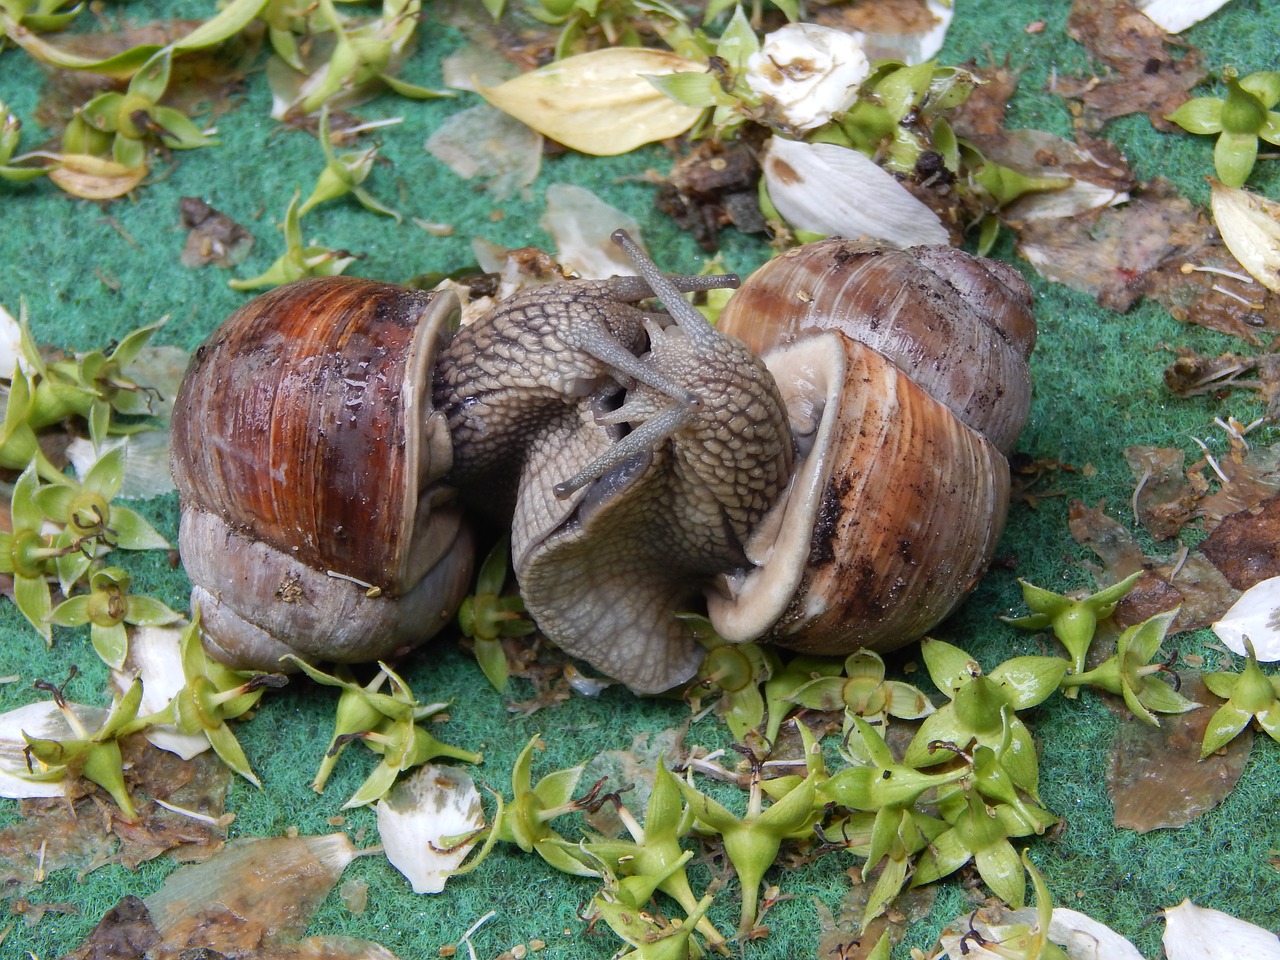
(824, 469)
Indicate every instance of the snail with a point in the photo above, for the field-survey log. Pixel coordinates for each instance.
(308, 464)
(816, 496)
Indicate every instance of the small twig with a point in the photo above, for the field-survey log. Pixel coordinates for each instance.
(1213, 463)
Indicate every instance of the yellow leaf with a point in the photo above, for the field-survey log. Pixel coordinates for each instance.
(600, 102)
(95, 178)
(1250, 227)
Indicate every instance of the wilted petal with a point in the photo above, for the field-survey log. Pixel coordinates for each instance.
(581, 225)
(10, 344)
(1250, 227)
(1197, 933)
(807, 73)
(1174, 16)
(485, 142)
(1084, 938)
(600, 102)
(417, 818)
(828, 189)
(1255, 615)
(911, 46)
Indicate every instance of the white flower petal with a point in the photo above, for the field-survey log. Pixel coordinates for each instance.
(807, 73)
(153, 656)
(581, 225)
(1084, 938)
(10, 344)
(828, 189)
(1250, 227)
(1174, 16)
(419, 813)
(1197, 933)
(1255, 615)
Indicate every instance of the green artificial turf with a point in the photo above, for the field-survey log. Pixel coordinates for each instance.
(1098, 390)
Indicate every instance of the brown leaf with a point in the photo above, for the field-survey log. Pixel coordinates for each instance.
(1108, 252)
(87, 834)
(255, 892)
(1245, 546)
(1163, 498)
(1143, 75)
(1155, 777)
(125, 932)
(1190, 582)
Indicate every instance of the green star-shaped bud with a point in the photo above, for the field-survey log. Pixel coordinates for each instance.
(363, 709)
(751, 842)
(1238, 121)
(213, 695)
(107, 607)
(1074, 620)
(1250, 695)
(653, 860)
(526, 819)
(735, 671)
(344, 173)
(91, 522)
(29, 554)
(977, 708)
(1131, 674)
(94, 756)
(297, 261)
(487, 616)
(864, 692)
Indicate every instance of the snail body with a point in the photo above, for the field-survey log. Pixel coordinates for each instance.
(825, 496)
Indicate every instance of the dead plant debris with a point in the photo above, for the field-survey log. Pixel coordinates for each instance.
(1142, 74)
(1154, 777)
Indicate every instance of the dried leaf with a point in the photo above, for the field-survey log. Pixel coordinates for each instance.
(581, 224)
(95, 178)
(1192, 375)
(1196, 933)
(1143, 76)
(255, 892)
(1255, 615)
(1250, 227)
(1108, 252)
(1155, 777)
(485, 142)
(418, 818)
(1189, 582)
(1163, 498)
(1245, 546)
(599, 103)
(125, 930)
(825, 188)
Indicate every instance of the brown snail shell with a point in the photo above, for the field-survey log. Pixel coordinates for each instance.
(896, 367)
(961, 326)
(308, 463)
